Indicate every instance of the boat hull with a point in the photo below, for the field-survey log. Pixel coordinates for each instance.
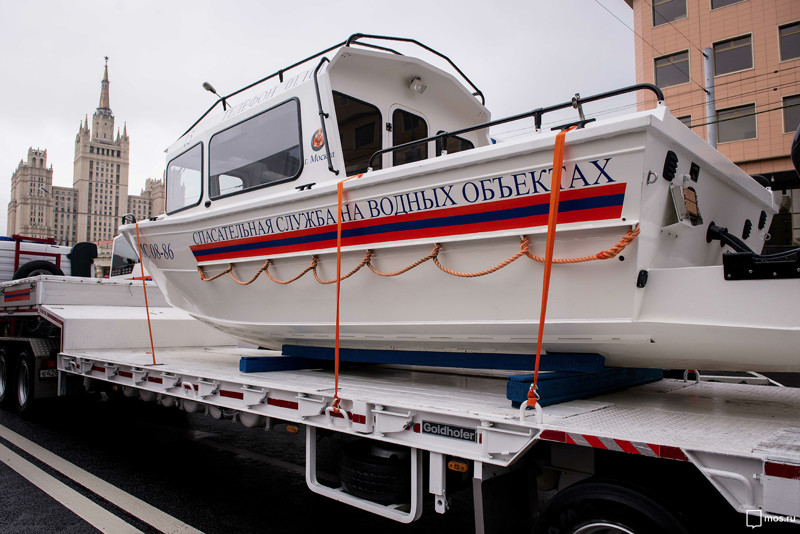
(477, 210)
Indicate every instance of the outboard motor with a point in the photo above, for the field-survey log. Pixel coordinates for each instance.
(81, 258)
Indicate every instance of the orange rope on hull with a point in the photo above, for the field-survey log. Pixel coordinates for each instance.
(369, 256)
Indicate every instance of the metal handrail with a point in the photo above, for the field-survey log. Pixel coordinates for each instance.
(352, 40)
(576, 102)
(323, 115)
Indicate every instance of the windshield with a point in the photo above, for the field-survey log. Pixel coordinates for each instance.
(123, 258)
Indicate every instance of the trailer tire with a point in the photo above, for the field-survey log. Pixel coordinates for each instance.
(606, 507)
(25, 382)
(6, 382)
(383, 477)
(37, 267)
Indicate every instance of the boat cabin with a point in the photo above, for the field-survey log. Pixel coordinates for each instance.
(323, 121)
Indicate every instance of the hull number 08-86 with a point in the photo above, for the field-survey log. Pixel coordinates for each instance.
(157, 251)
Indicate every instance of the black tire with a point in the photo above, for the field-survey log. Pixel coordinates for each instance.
(25, 383)
(381, 475)
(593, 507)
(6, 380)
(37, 267)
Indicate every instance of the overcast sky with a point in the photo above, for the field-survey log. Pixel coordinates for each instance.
(522, 54)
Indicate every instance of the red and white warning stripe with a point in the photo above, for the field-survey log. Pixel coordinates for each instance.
(611, 444)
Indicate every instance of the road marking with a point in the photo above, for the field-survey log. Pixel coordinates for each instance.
(134, 506)
(92, 513)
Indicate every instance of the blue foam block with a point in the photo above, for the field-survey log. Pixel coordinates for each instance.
(565, 386)
(591, 363)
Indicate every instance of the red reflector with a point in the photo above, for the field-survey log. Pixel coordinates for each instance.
(782, 470)
(154, 379)
(231, 394)
(672, 453)
(282, 403)
(98, 369)
(48, 364)
(359, 419)
(125, 374)
(417, 428)
(553, 435)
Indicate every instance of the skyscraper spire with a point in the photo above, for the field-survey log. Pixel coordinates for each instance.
(105, 101)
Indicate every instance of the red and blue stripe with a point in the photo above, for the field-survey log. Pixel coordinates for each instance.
(17, 295)
(579, 205)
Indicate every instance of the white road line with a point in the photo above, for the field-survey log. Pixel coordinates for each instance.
(134, 506)
(92, 513)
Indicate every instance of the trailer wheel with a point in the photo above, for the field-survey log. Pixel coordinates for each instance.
(26, 382)
(5, 378)
(379, 473)
(37, 267)
(607, 508)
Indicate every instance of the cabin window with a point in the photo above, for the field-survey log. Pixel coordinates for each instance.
(407, 127)
(261, 151)
(359, 131)
(453, 144)
(185, 180)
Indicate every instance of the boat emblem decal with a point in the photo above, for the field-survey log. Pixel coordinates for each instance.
(317, 140)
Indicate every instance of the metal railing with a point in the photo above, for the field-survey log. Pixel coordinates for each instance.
(352, 40)
(576, 102)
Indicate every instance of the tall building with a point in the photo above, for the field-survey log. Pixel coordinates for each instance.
(755, 49)
(92, 209)
(100, 172)
(30, 210)
(149, 202)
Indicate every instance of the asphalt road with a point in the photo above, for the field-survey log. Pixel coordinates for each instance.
(189, 471)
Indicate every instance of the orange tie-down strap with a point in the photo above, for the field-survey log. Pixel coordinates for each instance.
(144, 287)
(340, 197)
(555, 192)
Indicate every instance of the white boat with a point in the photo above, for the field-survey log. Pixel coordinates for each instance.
(252, 194)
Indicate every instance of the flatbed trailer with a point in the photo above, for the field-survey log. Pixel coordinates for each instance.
(631, 461)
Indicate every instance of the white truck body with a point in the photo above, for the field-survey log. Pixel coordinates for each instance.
(28, 252)
(744, 439)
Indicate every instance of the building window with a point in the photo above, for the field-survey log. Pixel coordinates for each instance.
(789, 37)
(672, 69)
(791, 113)
(716, 4)
(665, 11)
(733, 55)
(736, 124)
